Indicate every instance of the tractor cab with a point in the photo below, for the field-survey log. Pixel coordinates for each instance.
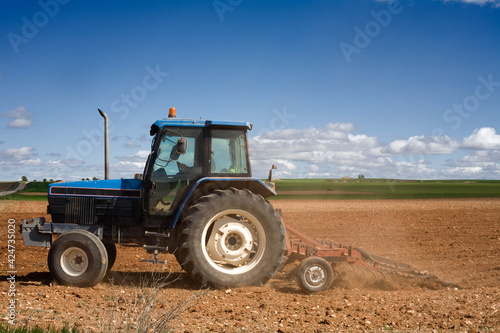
(186, 156)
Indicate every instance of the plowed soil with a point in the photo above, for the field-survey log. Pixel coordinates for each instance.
(458, 240)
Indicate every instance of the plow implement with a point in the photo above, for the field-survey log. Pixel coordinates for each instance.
(324, 261)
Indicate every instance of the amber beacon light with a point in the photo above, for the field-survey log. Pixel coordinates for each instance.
(172, 113)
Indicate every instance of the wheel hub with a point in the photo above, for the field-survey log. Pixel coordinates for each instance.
(74, 261)
(315, 275)
(232, 242)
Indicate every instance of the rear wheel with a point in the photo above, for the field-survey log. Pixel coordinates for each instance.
(232, 238)
(315, 274)
(78, 258)
(111, 251)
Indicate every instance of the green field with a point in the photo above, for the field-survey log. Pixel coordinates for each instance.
(341, 189)
(36, 187)
(385, 189)
(33, 187)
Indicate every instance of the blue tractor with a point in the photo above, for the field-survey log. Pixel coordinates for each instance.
(196, 199)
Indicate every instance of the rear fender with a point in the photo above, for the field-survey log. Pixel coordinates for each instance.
(209, 184)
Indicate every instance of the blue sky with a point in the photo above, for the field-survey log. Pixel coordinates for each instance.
(392, 89)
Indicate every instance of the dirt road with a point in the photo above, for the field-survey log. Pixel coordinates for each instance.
(456, 239)
(20, 187)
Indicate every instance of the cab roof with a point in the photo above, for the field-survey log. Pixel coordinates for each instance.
(175, 122)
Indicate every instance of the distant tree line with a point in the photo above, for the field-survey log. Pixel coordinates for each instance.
(25, 179)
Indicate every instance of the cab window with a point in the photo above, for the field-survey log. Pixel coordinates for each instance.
(228, 152)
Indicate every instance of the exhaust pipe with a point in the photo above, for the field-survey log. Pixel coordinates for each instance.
(270, 178)
(106, 144)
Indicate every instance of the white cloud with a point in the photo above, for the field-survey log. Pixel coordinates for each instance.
(482, 156)
(329, 151)
(472, 172)
(478, 164)
(17, 154)
(334, 150)
(129, 165)
(494, 3)
(285, 164)
(310, 143)
(64, 163)
(33, 162)
(140, 156)
(482, 138)
(19, 117)
(319, 175)
(423, 144)
(19, 158)
(131, 145)
(24, 160)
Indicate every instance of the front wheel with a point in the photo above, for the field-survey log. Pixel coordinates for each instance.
(78, 258)
(232, 238)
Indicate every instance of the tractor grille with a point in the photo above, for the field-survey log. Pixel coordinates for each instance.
(80, 210)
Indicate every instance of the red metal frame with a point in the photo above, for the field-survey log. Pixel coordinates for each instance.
(301, 246)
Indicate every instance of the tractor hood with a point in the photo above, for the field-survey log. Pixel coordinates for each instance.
(112, 188)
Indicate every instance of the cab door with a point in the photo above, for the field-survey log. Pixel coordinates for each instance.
(171, 173)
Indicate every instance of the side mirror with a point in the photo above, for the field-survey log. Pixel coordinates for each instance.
(182, 146)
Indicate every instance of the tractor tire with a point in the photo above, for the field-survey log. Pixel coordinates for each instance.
(231, 238)
(178, 258)
(111, 251)
(315, 274)
(78, 258)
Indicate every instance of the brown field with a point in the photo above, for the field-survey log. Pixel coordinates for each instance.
(456, 239)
